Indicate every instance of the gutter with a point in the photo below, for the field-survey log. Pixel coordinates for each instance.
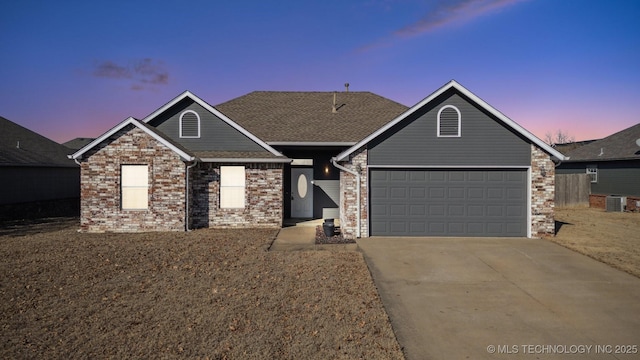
(247, 160)
(357, 175)
(311, 143)
(186, 198)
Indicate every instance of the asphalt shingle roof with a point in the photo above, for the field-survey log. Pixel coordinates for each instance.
(619, 146)
(281, 116)
(20, 146)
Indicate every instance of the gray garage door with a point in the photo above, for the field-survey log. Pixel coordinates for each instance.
(448, 202)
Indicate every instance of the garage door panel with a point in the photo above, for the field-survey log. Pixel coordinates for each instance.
(475, 210)
(455, 210)
(456, 176)
(398, 193)
(456, 193)
(448, 202)
(398, 227)
(418, 227)
(495, 193)
(495, 210)
(418, 194)
(436, 210)
(398, 176)
(436, 192)
(379, 210)
(417, 176)
(417, 210)
(436, 176)
(398, 210)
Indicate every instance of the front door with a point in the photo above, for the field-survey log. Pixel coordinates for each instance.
(301, 193)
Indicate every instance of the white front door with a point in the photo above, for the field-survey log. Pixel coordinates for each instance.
(301, 193)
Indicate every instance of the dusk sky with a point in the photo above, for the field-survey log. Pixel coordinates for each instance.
(77, 68)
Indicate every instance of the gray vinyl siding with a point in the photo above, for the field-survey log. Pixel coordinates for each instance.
(326, 195)
(614, 177)
(215, 134)
(483, 141)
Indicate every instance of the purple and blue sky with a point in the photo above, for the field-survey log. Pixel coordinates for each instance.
(77, 68)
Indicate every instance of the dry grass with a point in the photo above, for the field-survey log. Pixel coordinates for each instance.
(205, 294)
(613, 238)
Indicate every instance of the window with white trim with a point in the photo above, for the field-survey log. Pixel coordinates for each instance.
(449, 120)
(232, 186)
(592, 172)
(189, 124)
(134, 181)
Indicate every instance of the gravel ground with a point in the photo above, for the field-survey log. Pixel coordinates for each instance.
(207, 294)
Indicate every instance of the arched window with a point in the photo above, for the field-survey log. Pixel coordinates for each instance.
(449, 121)
(189, 124)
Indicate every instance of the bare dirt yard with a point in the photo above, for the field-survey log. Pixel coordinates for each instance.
(207, 294)
(610, 237)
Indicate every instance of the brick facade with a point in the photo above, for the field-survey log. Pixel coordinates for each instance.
(348, 196)
(542, 193)
(263, 197)
(100, 185)
(101, 209)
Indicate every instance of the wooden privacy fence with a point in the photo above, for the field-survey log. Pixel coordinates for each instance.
(572, 189)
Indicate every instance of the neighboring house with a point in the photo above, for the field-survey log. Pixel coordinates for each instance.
(78, 143)
(449, 166)
(34, 171)
(565, 148)
(612, 163)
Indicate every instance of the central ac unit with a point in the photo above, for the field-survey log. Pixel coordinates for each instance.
(616, 203)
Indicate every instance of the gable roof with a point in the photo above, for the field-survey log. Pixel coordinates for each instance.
(223, 117)
(455, 85)
(177, 148)
(307, 118)
(20, 146)
(78, 143)
(619, 146)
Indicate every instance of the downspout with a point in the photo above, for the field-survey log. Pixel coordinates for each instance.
(357, 175)
(186, 198)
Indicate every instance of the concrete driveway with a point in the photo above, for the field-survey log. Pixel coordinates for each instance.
(459, 298)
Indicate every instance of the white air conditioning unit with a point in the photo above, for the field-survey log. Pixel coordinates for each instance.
(616, 203)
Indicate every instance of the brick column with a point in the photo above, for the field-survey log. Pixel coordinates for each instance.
(542, 193)
(348, 196)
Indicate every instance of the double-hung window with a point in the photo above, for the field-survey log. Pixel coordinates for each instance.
(232, 187)
(135, 187)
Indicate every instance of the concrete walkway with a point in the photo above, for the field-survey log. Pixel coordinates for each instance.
(503, 299)
(302, 237)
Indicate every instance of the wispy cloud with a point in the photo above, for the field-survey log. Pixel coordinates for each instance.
(140, 73)
(446, 13)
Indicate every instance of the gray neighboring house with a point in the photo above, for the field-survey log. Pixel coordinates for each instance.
(78, 143)
(613, 163)
(35, 173)
(451, 165)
